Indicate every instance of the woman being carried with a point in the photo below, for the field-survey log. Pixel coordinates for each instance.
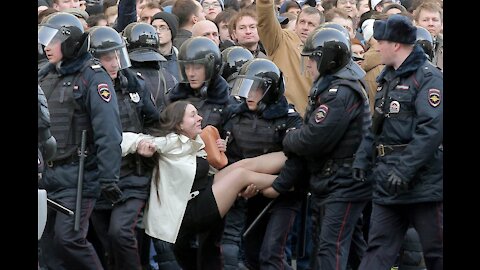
(184, 198)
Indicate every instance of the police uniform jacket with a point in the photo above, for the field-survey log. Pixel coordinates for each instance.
(157, 80)
(211, 104)
(80, 97)
(137, 111)
(413, 107)
(334, 122)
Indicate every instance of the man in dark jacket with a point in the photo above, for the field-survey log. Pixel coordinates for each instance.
(406, 136)
(335, 122)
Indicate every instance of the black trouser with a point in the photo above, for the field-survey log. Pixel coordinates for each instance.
(333, 227)
(232, 234)
(121, 234)
(61, 246)
(265, 243)
(388, 225)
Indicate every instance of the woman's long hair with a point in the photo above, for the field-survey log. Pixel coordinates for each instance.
(170, 119)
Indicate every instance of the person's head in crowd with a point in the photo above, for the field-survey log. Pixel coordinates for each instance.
(290, 6)
(108, 46)
(358, 50)
(208, 29)
(140, 4)
(82, 15)
(45, 13)
(341, 17)
(350, 6)
(148, 11)
(233, 59)
(231, 4)
(328, 4)
(429, 15)
(188, 12)
(308, 19)
(97, 20)
(166, 25)
(425, 40)
(326, 51)
(211, 8)
(379, 5)
(396, 37)
(278, 4)
(243, 29)
(394, 9)
(63, 36)
(363, 6)
(246, 3)
(142, 42)
(415, 3)
(61, 5)
(367, 29)
(199, 61)
(292, 19)
(110, 9)
(223, 20)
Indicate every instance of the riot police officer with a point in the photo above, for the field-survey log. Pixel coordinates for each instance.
(113, 224)
(80, 97)
(425, 40)
(407, 136)
(142, 46)
(258, 126)
(335, 121)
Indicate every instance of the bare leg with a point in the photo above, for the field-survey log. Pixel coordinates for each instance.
(270, 163)
(226, 188)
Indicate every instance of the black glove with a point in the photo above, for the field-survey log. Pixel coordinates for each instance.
(395, 184)
(112, 192)
(358, 175)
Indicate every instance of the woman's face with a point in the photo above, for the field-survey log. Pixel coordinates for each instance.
(191, 124)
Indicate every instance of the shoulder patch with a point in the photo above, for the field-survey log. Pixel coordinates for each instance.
(434, 97)
(321, 114)
(104, 92)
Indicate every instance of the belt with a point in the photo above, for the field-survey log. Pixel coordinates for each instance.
(70, 159)
(383, 149)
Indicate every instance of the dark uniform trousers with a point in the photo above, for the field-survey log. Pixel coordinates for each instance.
(70, 248)
(333, 226)
(265, 243)
(389, 224)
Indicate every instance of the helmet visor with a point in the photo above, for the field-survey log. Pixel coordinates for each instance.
(47, 34)
(195, 65)
(245, 87)
(120, 54)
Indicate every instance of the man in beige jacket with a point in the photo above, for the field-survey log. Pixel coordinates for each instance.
(283, 47)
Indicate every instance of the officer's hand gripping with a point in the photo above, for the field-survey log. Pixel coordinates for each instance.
(112, 192)
(358, 175)
(395, 184)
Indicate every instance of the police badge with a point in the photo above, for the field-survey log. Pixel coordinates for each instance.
(135, 97)
(394, 107)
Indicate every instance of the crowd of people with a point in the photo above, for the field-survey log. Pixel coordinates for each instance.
(329, 114)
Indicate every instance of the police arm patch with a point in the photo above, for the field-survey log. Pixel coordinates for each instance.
(104, 92)
(321, 113)
(434, 97)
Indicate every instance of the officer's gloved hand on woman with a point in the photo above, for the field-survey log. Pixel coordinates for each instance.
(112, 192)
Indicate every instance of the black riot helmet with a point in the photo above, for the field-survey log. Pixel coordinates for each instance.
(65, 28)
(335, 26)
(330, 48)
(425, 40)
(199, 50)
(233, 59)
(106, 40)
(260, 74)
(142, 42)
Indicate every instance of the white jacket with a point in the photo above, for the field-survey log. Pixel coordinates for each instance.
(170, 193)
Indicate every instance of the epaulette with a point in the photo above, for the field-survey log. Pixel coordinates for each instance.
(96, 67)
(427, 72)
